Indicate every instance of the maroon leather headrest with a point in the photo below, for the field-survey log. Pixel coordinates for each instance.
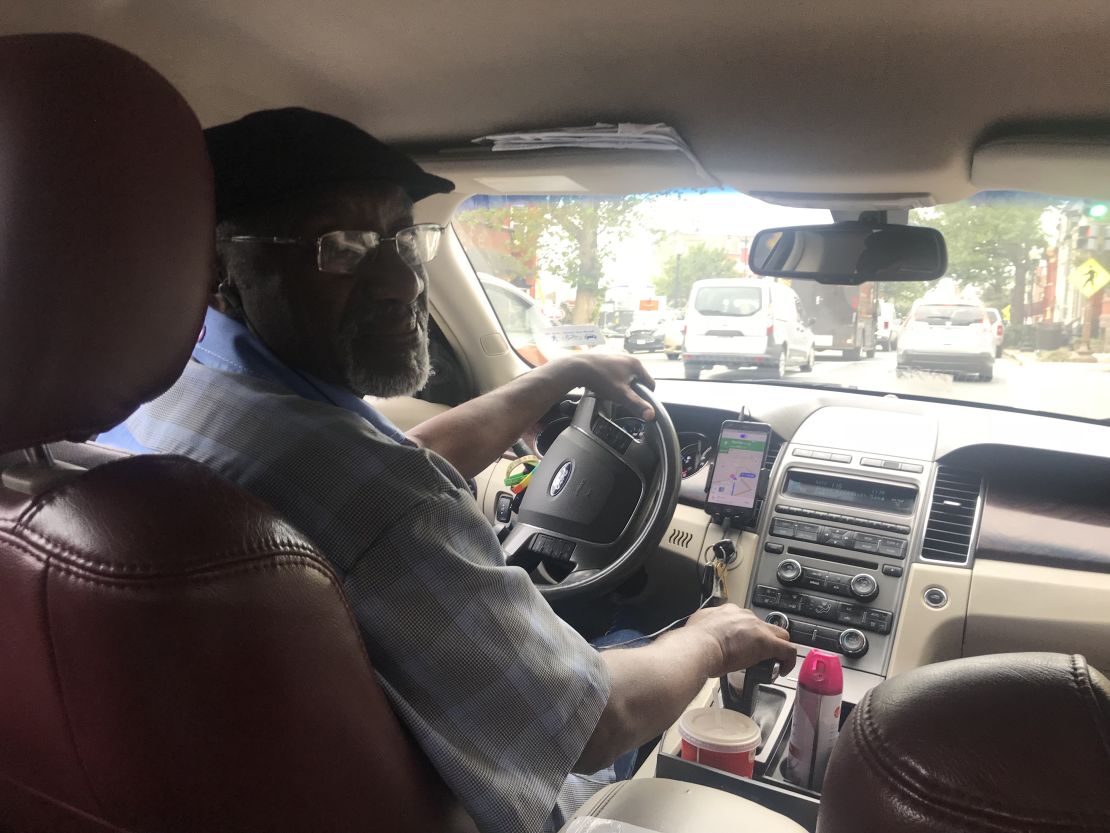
(1009, 742)
(106, 236)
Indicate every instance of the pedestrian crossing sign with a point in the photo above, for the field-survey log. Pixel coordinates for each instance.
(1089, 277)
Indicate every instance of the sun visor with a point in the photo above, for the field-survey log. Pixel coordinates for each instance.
(563, 171)
(602, 159)
(1044, 165)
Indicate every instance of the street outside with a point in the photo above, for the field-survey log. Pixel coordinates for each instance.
(1020, 381)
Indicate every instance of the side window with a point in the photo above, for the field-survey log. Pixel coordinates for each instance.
(448, 383)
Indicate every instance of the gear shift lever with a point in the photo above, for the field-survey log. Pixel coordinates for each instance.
(763, 673)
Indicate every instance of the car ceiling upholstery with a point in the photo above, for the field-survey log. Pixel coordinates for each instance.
(855, 96)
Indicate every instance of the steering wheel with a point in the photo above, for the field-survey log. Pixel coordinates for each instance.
(600, 500)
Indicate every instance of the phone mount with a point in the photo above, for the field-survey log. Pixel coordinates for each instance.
(742, 517)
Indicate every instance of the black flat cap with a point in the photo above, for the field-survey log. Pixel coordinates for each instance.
(274, 154)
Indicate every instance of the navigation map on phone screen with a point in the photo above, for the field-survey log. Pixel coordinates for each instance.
(740, 453)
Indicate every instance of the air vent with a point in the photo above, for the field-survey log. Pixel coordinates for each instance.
(948, 535)
(773, 450)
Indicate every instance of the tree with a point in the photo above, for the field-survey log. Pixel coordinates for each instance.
(503, 237)
(989, 243)
(571, 236)
(682, 269)
(588, 227)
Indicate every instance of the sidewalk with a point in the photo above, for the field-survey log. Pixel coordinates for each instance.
(1057, 357)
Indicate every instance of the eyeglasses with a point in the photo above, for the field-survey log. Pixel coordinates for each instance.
(342, 252)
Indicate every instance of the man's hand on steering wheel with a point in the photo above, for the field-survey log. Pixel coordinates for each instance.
(610, 376)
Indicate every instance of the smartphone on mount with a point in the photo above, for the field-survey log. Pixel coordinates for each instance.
(735, 472)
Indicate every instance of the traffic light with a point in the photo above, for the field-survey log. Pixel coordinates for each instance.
(1099, 212)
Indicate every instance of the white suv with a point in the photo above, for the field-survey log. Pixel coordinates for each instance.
(953, 337)
(746, 322)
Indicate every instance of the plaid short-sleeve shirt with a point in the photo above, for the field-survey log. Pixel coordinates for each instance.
(500, 693)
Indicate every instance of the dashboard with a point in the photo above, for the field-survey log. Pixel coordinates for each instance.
(899, 532)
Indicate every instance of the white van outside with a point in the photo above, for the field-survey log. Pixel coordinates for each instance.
(746, 322)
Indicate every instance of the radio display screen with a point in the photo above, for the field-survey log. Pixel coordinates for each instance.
(866, 494)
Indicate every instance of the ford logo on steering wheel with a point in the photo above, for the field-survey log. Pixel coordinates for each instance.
(561, 478)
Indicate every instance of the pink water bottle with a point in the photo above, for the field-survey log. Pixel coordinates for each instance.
(816, 720)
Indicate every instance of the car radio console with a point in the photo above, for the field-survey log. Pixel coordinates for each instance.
(835, 536)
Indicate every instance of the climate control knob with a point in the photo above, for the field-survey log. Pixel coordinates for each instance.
(864, 587)
(789, 572)
(779, 620)
(853, 643)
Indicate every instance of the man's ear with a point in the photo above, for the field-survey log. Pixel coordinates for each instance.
(225, 296)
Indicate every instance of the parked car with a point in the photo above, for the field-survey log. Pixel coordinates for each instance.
(746, 322)
(674, 337)
(999, 326)
(525, 326)
(645, 333)
(948, 337)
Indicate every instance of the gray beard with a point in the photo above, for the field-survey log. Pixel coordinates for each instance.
(400, 374)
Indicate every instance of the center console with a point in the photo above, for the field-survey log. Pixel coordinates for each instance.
(836, 533)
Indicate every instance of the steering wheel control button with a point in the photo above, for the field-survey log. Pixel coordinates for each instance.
(552, 547)
(864, 587)
(779, 620)
(503, 510)
(853, 643)
(892, 570)
(611, 434)
(789, 572)
(773, 547)
(935, 597)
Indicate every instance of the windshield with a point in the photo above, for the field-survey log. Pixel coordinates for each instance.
(728, 300)
(949, 316)
(1019, 319)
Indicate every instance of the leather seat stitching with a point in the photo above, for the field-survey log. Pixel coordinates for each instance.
(60, 690)
(212, 571)
(73, 554)
(931, 793)
(1086, 690)
(607, 800)
(263, 562)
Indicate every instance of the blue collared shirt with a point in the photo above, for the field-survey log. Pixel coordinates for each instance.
(226, 344)
(501, 694)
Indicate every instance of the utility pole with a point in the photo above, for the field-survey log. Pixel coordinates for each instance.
(1094, 309)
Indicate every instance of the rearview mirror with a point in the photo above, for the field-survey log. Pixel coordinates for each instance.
(850, 253)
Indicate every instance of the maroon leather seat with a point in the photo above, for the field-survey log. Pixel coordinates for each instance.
(1008, 742)
(172, 655)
